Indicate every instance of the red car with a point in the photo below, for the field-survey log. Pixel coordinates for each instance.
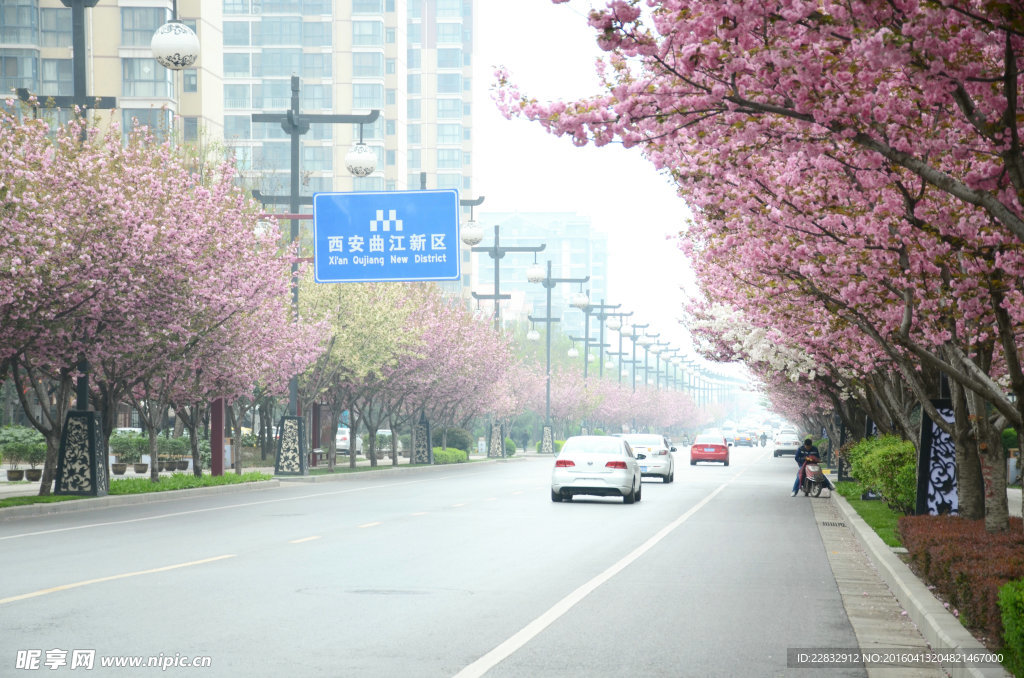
(709, 447)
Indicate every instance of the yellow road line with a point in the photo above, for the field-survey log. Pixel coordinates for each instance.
(304, 539)
(65, 587)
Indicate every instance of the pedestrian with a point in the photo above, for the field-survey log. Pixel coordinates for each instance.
(802, 452)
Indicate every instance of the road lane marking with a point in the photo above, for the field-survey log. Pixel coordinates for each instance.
(518, 492)
(420, 513)
(534, 628)
(369, 525)
(491, 499)
(304, 539)
(457, 505)
(79, 584)
(175, 514)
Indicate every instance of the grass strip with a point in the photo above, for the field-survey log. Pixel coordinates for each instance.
(875, 512)
(181, 481)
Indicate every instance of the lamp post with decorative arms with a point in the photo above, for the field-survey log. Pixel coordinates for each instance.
(497, 253)
(634, 334)
(535, 274)
(615, 324)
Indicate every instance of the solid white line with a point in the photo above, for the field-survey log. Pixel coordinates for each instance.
(220, 508)
(531, 630)
(65, 587)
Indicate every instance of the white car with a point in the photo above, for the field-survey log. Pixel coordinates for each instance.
(341, 441)
(786, 443)
(654, 453)
(598, 465)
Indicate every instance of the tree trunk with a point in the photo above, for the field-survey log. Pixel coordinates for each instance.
(993, 465)
(970, 489)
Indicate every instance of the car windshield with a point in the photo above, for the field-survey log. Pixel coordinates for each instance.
(592, 445)
(706, 438)
(645, 440)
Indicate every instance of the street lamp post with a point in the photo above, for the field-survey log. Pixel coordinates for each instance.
(360, 161)
(634, 335)
(497, 252)
(600, 311)
(547, 441)
(615, 324)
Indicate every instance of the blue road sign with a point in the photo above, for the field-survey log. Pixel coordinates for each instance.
(386, 236)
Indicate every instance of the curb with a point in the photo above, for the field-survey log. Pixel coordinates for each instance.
(940, 628)
(92, 503)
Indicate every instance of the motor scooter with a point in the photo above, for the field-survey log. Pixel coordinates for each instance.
(813, 479)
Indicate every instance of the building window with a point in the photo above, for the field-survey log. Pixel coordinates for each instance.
(449, 8)
(415, 181)
(389, 97)
(389, 127)
(282, 62)
(413, 83)
(190, 128)
(272, 94)
(467, 134)
(236, 6)
(368, 183)
(389, 158)
(467, 158)
(237, 127)
(448, 109)
(366, 95)
(449, 33)
(390, 37)
(18, 21)
(156, 119)
(139, 23)
(54, 27)
(144, 78)
(313, 185)
(280, 30)
(236, 33)
(273, 155)
(282, 6)
(449, 134)
(413, 58)
(449, 57)
(316, 96)
(56, 77)
(236, 65)
(316, 7)
(449, 83)
(449, 181)
(317, 158)
(368, 33)
(467, 108)
(238, 96)
(414, 134)
(449, 158)
(316, 34)
(17, 69)
(367, 6)
(415, 158)
(190, 80)
(316, 65)
(415, 30)
(367, 64)
(415, 109)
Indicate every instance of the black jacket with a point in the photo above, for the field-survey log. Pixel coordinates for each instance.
(802, 452)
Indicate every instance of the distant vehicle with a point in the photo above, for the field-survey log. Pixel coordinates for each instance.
(342, 441)
(786, 443)
(654, 452)
(597, 465)
(744, 437)
(730, 436)
(384, 440)
(709, 447)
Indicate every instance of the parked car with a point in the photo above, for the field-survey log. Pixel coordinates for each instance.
(654, 452)
(597, 465)
(786, 443)
(709, 447)
(342, 440)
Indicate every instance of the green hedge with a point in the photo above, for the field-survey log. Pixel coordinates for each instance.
(1011, 603)
(887, 465)
(557, 443)
(449, 456)
(510, 447)
(459, 438)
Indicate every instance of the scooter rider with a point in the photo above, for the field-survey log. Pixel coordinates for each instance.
(764, 439)
(801, 455)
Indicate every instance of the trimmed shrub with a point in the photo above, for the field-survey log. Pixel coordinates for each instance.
(887, 465)
(966, 564)
(459, 438)
(449, 456)
(1010, 441)
(1011, 602)
(17, 443)
(557, 444)
(510, 447)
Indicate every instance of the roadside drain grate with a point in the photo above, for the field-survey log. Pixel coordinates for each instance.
(832, 523)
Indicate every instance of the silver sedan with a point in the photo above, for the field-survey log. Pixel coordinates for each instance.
(596, 465)
(654, 453)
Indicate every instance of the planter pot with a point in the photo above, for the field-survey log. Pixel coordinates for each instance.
(161, 466)
(182, 465)
(119, 468)
(34, 474)
(140, 468)
(15, 474)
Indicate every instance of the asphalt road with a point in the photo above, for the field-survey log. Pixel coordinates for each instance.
(454, 571)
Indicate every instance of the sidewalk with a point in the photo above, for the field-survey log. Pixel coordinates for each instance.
(888, 606)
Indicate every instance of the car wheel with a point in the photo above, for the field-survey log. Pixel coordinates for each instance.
(555, 496)
(669, 478)
(817, 490)
(726, 462)
(630, 497)
(693, 463)
(639, 491)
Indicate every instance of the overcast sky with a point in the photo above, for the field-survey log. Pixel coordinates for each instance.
(550, 52)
